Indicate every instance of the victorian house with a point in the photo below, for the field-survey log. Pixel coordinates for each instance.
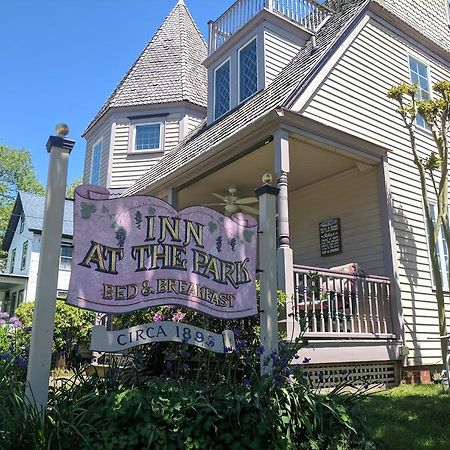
(297, 88)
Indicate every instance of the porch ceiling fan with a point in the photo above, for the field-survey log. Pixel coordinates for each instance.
(233, 203)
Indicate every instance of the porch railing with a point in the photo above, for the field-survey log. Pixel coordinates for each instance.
(336, 304)
(307, 13)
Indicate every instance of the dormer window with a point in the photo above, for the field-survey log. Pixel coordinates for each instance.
(248, 70)
(222, 89)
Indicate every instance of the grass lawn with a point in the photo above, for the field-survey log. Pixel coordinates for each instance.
(412, 417)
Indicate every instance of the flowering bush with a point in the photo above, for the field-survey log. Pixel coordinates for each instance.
(14, 345)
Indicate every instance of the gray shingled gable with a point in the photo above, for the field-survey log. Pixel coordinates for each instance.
(33, 206)
(295, 75)
(168, 70)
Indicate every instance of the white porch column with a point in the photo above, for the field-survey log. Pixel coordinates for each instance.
(285, 259)
(172, 197)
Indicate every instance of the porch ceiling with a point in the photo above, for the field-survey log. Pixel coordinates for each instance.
(9, 282)
(308, 164)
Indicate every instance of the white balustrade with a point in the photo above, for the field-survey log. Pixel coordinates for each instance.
(306, 13)
(336, 304)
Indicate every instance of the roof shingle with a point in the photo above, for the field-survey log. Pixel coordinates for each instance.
(168, 70)
(291, 78)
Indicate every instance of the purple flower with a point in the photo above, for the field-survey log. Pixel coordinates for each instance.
(14, 319)
(261, 349)
(170, 306)
(2, 322)
(17, 324)
(27, 329)
(4, 315)
(178, 316)
(20, 362)
(158, 317)
(246, 381)
(6, 356)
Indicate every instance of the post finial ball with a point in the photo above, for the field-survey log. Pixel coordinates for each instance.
(267, 178)
(62, 129)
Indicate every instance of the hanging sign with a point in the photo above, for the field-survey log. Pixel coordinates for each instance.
(330, 237)
(117, 341)
(138, 252)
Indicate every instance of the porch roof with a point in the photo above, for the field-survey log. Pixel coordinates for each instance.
(7, 280)
(294, 77)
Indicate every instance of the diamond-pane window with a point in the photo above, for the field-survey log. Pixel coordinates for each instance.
(419, 74)
(248, 71)
(148, 137)
(222, 90)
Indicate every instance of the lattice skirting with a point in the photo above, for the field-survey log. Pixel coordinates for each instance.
(385, 374)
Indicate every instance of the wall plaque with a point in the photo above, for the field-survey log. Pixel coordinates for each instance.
(330, 237)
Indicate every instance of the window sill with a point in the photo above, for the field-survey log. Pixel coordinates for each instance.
(424, 132)
(145, 152)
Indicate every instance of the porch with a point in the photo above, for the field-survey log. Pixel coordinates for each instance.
(322, 174)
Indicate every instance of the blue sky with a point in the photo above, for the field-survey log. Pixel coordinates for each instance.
(61, 59)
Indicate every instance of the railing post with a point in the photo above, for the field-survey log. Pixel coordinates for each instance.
(211, 37)
(269, 5)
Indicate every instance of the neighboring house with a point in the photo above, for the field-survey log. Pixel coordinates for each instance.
(298, 89)
(22, 242)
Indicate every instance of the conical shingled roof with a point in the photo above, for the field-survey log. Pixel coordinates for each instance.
(168, 70)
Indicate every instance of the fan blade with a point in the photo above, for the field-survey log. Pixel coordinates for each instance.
(218, 196)
(215, 204)
(247, 201)
(250, 209)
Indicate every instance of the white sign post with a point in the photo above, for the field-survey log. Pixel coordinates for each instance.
(36, 391)
(267, 195)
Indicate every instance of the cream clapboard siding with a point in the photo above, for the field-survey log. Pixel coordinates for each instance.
(353, 99)
(352, 197)
(126, 168)
(104, 133)
(194, 122)
(278, 52)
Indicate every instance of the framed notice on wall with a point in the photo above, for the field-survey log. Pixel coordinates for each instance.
(330, 237)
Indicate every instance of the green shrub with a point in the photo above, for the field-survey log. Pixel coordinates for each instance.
(72, 329)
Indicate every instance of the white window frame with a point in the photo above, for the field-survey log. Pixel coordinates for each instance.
(23, 261)
(22, 223)
(447, 5)
(427, 65)
(142, 122)
(12, 261)
(255, 38)
(227, 61)
(441, 255)
(100, 141)
(63, 245)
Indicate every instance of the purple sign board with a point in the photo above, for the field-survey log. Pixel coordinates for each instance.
(138, 252)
